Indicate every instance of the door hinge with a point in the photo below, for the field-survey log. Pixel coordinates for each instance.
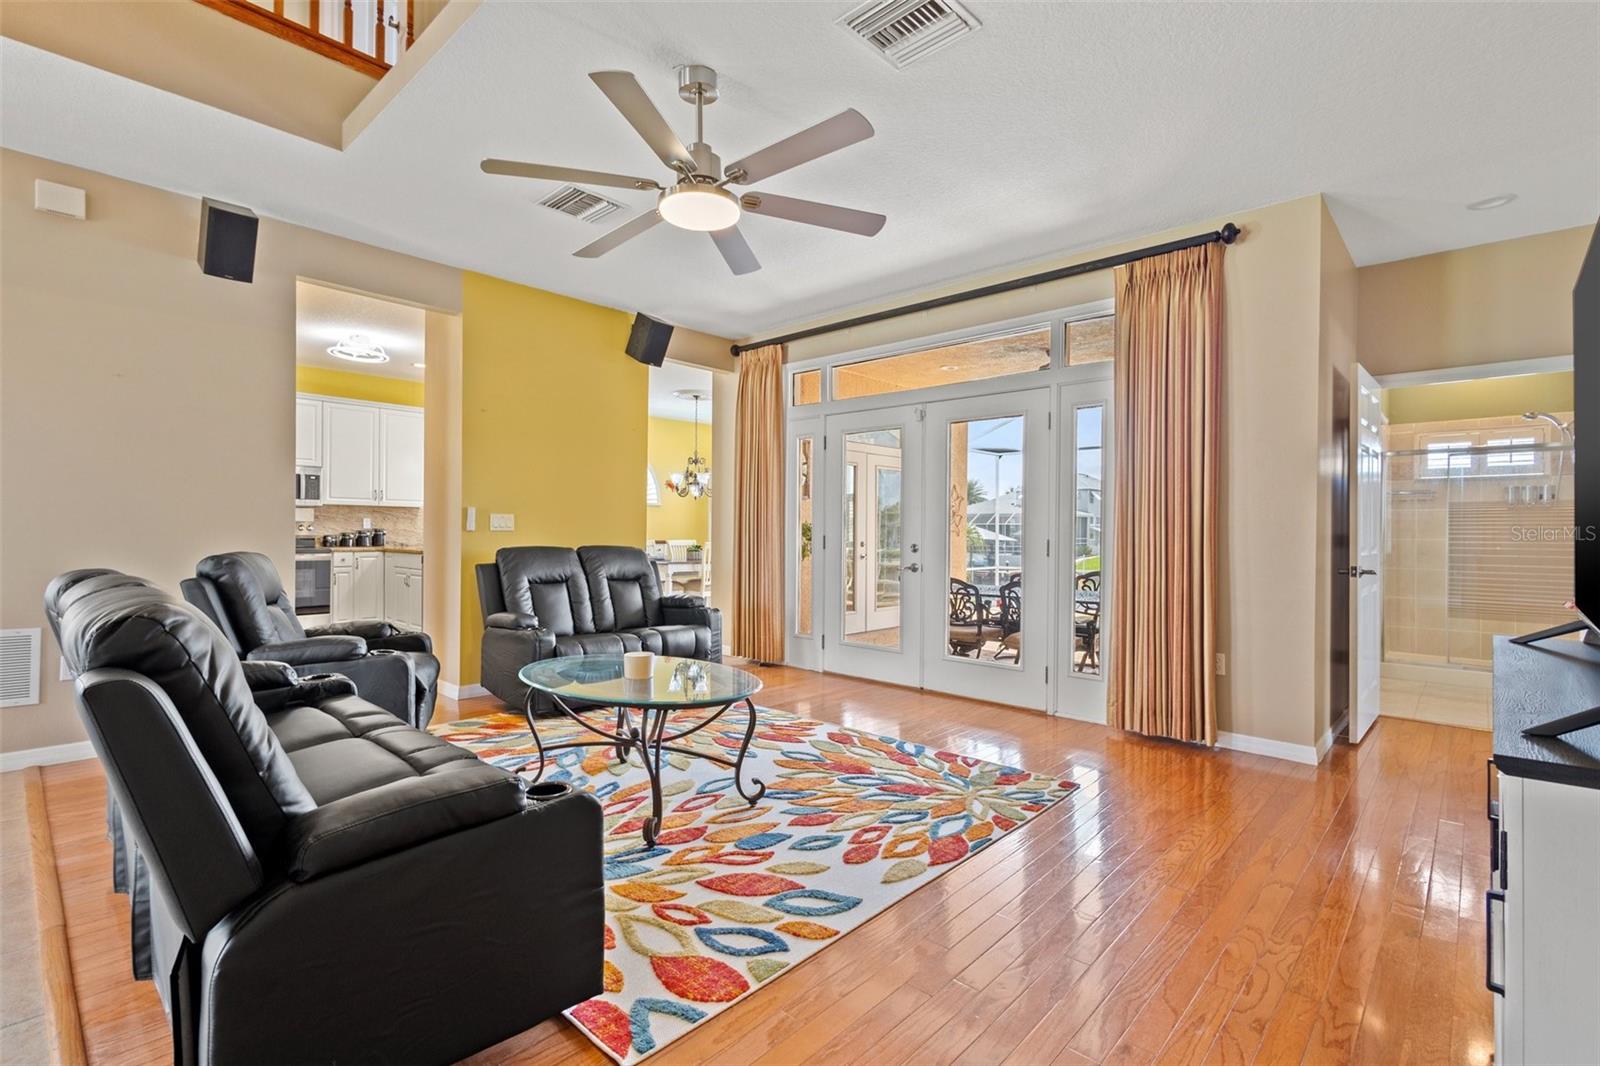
(1047, 548)
(824, 542)
(824, 443)
(1047, 675)
(824, 640)
(1049, 420)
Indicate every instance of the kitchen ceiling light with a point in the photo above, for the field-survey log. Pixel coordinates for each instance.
(358, 349)
(699, 206)
(1491, 202)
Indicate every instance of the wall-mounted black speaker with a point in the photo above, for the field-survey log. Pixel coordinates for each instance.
(647, 342)
(227, 240)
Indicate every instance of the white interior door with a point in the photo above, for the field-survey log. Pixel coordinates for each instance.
(1084, 590)
(986, 508)
(873, 544)
(1368, 554)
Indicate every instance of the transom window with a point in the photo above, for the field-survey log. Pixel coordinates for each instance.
(1019, 352)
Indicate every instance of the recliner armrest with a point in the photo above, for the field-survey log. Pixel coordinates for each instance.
(399, 815)
(402, 641)
(682, 600)
(312, 650)
(364, 630)
(276, 685)
(512, 620)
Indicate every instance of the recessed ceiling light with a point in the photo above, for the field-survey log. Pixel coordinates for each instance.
(419, 366)
(949, 366)
(1489, 203)
(359, 349)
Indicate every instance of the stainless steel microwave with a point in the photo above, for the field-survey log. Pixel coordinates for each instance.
(307, 489)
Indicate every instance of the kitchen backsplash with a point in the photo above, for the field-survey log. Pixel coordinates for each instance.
(404, 524)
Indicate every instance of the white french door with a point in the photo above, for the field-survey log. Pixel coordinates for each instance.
(872, 544)
(1083, 552)
(987, 587)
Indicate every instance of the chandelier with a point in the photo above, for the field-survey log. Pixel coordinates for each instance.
(694, 481)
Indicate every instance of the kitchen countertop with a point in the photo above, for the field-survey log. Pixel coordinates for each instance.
(402, 549)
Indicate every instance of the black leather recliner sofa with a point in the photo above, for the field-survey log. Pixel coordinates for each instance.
(543, 603)
(326, 883)
(243, 594)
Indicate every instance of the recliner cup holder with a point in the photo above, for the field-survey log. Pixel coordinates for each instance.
(544, 791)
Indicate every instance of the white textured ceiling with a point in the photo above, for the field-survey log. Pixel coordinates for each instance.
(1055, 127)
(669, 378)
(323, 316)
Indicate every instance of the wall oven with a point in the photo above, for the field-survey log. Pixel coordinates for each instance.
(313, 577)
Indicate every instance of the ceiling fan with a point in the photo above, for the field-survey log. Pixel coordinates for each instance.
(698, 198)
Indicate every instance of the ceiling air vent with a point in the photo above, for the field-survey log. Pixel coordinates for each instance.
(904, 31)
(19, 667)
(581, 203)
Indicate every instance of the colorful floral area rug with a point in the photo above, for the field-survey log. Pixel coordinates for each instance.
(733, 895)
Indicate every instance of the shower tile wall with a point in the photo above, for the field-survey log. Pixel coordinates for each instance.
(1428, 618)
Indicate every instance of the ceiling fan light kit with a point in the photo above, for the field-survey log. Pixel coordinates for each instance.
(697, 198)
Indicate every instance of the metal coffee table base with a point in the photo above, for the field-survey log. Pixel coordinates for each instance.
(649, 737)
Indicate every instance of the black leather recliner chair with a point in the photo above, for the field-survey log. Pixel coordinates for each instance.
(327, 884)
(242, 593)
(543, 603)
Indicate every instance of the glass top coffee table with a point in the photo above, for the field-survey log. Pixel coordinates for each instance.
(583, 684)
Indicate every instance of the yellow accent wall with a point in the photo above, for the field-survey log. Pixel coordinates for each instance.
(374, 388)
(1483, 398)
(678, 517)
(553, 429)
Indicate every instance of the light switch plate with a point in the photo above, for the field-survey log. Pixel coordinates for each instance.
(366, 523)
(472, 519)
(502, 523)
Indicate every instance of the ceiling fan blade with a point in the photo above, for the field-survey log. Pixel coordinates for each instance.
(627, 96)
(848, 219)
(734, 248)
(625, 232)
(513, 169)
(829, 135)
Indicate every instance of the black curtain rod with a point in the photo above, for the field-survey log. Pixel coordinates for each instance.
(1227, 235)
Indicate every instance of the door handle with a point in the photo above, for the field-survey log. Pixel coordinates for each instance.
(1361, 571)
(915, 568)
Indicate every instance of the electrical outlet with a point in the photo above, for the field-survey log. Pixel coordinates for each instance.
(366, 523)
(1222, 664)
(502, 523)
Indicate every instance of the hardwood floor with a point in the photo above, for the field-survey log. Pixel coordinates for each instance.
(1183, 906)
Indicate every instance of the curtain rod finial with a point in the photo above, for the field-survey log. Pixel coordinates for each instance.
(1229, 233)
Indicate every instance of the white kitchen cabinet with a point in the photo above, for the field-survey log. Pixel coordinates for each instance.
(400, 457)
(342, 588)
(368, 591)
(307, 432)
(402, 590)
(350, 452)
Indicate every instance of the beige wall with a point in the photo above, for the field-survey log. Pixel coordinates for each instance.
(201, 54)
(146, 410)
(1485, 304)
(1275, 423)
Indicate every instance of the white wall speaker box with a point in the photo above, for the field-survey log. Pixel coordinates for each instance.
(60, 199)
(19, 667)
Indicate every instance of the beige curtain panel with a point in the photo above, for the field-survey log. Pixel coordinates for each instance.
(758, 508)
(1168, 430)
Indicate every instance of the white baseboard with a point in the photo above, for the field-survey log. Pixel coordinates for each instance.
(461, 692)
(57, 753)
(1324, 744)
(1274, 749)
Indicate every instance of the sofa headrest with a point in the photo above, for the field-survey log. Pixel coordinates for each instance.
(112, 620)
(623, 587)
(252, 595)
(549, 584)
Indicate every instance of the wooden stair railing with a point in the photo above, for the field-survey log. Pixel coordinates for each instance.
(365, 52)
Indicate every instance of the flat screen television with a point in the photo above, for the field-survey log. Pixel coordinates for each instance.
(1586, 478)
(1586, 436)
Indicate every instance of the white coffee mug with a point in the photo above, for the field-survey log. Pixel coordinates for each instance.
(638, 665)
